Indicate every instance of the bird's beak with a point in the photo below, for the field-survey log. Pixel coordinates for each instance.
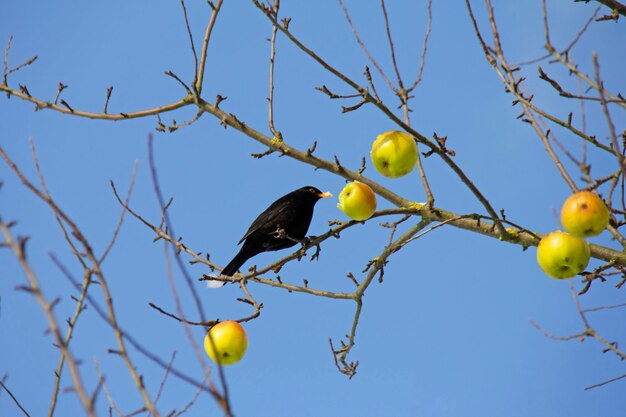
(325, 195)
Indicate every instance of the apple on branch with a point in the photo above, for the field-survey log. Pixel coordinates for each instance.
(357, 200)
(584, 214)
(226, 342)
(394, 153)
(561, 255)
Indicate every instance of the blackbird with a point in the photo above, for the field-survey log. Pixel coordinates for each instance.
(283, 224)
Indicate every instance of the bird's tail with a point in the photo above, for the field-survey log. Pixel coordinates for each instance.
(236, 263)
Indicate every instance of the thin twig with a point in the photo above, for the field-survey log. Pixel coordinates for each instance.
(549, 335)
(588, 310)
(80, 307)
(582, 31)
(101, 379)
(612, 4)
(193, 48)
(106, 101)
(95, 268)
(6, 60)
(546, 26)
(14, 399)
(183, 319)
(8, 71)
(18, 249)
(222, 399)
(42, 104)
(365, 50)
(392, 49)
(122, 214)
(418, 79)
(167, 373)
(169, 225)
(270, 99)
(57, 215)
(205, 46)
(607, 115)
(101, 312)
(189, 404)
(512, 84)
(608, 381)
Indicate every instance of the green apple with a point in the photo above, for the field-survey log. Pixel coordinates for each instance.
(357, 200)
(394, 153)
(561, 255)
(226, 342)
(584, 214)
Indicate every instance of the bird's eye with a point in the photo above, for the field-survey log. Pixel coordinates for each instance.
(311, 190)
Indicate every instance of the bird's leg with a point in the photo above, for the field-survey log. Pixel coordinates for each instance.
(305, 241)
(305, 245)
(280, 233)
(318, 249)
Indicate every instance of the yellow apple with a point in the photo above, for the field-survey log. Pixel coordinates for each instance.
(561, 255)
(584, 214)
(226, 342)
(357, 200)
(394, 153)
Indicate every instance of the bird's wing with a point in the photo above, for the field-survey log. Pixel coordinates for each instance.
(269, 216)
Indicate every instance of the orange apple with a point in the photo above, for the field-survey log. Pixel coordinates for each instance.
(561, 255)
(584, 214)
(226, 342)
(394, 153)
(357, 200)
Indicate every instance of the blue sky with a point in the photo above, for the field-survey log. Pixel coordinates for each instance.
(446, 334)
